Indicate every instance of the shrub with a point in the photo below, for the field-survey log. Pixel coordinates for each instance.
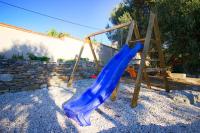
(2, 56)
(60, 60)
(84, 59)
(17, 57)
(38, 58)
(70, 61)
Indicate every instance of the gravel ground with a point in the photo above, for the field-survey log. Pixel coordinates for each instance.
(41, 111)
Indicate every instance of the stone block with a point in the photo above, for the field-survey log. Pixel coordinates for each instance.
(43, 86)
(183, 97)
(6, 77)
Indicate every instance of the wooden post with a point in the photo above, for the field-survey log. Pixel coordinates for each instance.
(160, 53)
(109, 29)
(130, 33)
(93, 53)
(146, 77)
(136, 32)
(137, 36)
(71, 79)
(114, 93)
(142, 63)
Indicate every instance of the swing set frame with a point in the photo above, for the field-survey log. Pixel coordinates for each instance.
(142, 72)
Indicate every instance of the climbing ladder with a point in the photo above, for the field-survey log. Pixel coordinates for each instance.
(142, 72)
(152, 27)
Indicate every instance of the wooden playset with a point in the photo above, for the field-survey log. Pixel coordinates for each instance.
(153, 40)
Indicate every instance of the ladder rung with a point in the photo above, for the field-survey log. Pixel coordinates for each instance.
(155, 69)
(152, 60)
(142, 40)
(153, 51)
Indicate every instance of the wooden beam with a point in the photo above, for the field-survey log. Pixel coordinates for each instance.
(142, 64)
(93, 53)
(160, 53)
(136, 31)
(114, 93)
(109, 29)
(146, 77)
(130, 33)
(71, 79)
(151, 60)
(138, 36)
(156, 69)
(142, 40)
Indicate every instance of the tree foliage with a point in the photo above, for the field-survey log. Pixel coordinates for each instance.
(179, 22)
(57, 34)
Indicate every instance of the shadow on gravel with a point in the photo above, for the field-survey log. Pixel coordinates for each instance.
(127, 119)
(192, 97)
(152, 128)
(33, 111)
(81, 86)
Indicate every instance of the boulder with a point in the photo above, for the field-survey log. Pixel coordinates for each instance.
(43, 86)
(183, 97)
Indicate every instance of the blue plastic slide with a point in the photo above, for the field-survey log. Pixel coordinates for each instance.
(81, 108)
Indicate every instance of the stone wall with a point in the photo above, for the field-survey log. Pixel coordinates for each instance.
(29, 75)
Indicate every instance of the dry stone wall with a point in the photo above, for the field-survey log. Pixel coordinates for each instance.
(29, 75)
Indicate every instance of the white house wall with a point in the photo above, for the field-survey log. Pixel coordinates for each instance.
(14, 41)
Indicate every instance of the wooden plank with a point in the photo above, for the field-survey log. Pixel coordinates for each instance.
(151, 60)
(160, 53)
(138, 36)
(146, 77)
(71, 79)
(136, 31)
(114, 93)
(93, 53)
(156, 69)
(142, 40)
(109, 29)
(130, 33)
(142, 64)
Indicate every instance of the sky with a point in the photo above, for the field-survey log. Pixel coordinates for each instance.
(94, 13)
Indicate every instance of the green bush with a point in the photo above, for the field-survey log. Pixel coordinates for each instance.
(60, 60)
(84, 59)
(70, 61)
(38, 58)
(2, 56)
(17, 57)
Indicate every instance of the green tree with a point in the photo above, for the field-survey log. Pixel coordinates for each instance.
(179, 22)
(125, 12)
(57, 34)
(60, 35)
(52, 33)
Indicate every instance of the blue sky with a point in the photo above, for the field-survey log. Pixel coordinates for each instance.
(94, 13)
